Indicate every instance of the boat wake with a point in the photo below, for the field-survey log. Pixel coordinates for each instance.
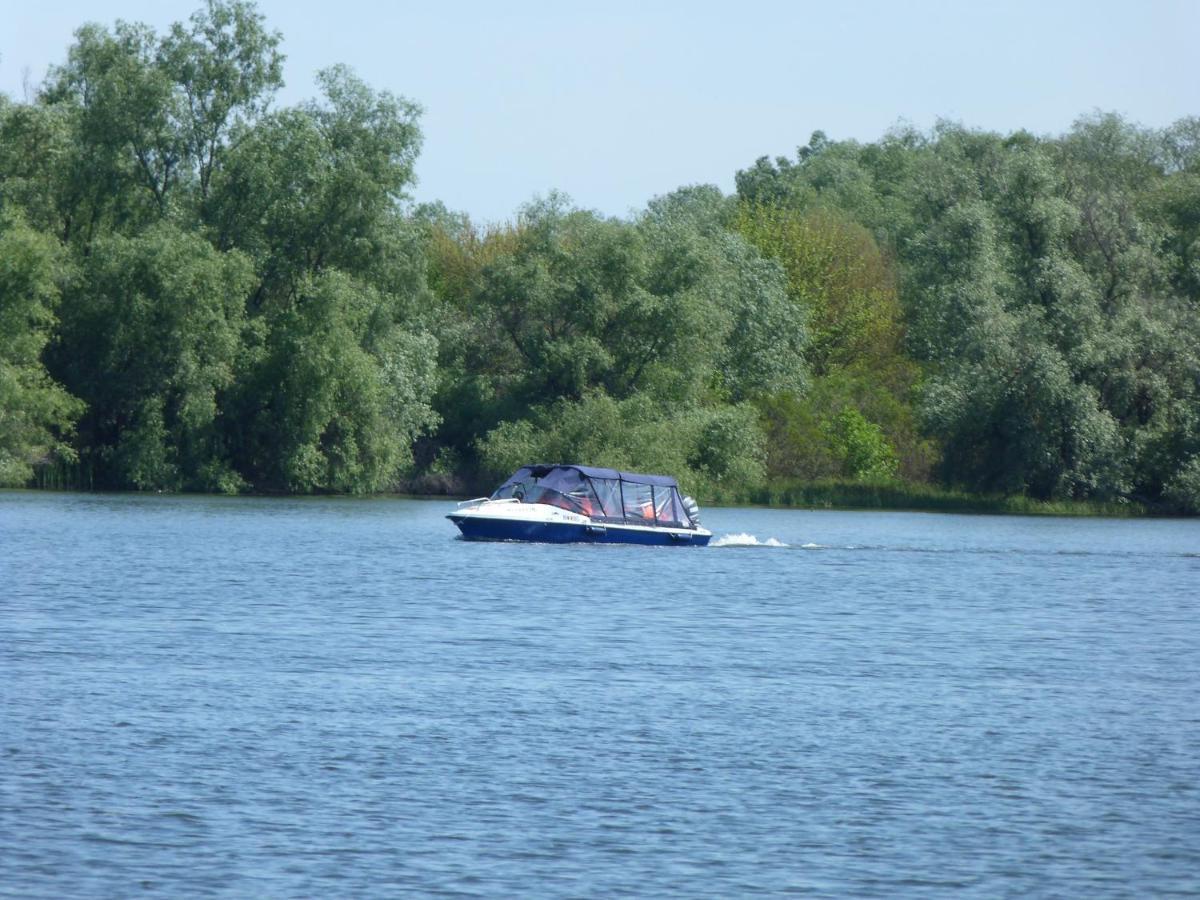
(745, 540)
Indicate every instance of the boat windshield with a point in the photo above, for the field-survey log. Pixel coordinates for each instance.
(531, 489)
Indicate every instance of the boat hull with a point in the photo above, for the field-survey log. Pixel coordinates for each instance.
(487, 528)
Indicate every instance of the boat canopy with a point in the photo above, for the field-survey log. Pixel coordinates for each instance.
(603, 494)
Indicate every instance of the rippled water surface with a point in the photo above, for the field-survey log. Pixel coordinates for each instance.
(246, 697)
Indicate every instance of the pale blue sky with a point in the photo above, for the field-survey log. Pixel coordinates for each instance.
(615, 103)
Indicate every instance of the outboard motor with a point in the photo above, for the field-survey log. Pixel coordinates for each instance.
(693, 511)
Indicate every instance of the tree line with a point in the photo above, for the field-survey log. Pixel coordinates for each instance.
(201, 291)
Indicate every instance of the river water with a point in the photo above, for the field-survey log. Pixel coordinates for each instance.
(301, 698)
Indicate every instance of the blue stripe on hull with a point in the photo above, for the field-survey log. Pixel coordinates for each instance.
(480, 529)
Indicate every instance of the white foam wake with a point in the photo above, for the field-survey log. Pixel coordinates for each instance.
(745, 540)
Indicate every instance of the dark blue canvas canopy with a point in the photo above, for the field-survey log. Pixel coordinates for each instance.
(540, 471)
(605, 494)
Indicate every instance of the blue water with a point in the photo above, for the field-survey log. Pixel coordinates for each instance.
(299, 698)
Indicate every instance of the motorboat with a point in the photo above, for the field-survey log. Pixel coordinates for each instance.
(571, 503)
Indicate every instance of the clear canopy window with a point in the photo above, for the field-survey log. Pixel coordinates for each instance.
(603, 494)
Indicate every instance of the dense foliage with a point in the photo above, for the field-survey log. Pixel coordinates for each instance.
(239, 296)
(1049, 293)
(199, 291)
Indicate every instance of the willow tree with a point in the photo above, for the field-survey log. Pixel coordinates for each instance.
(1047, 293)
(151, 339)
(339, 374)
(856, 419)
(37, 414)
(576, 312)
(206, 239)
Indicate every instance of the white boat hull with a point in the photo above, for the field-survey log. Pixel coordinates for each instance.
(511, 520)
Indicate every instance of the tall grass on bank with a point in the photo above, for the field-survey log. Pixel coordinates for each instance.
(899, 495)
(795, 494)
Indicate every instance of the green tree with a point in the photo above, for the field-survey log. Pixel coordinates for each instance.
(338, 394)
(838, 275)
(124, 159)
(36, 413)
(342, 371)
(863, 450)
(1046, 291)
(1183, 489)
(37, 145)
(565, 305)
(226, 67)
(318, 187)
(152, 117)
(765, 335)
(150, 338)
(141, 153)
(1013, 420)
(708, 449)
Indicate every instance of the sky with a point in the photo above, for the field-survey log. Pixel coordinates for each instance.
(615, 103)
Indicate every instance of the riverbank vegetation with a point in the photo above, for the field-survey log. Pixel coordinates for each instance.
(202, 291)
